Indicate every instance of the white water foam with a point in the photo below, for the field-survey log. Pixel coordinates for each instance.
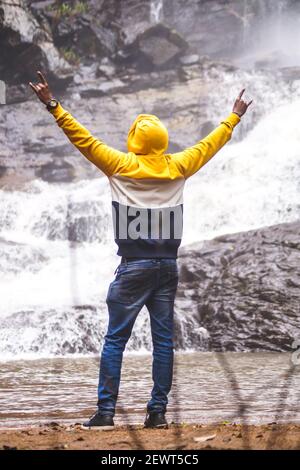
(57, 256)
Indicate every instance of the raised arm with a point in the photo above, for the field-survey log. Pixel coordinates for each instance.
(190, 160)
(107, 159)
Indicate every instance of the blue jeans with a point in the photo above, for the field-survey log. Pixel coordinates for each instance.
(151, 282)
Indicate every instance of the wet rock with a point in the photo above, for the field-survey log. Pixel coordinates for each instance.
(158, 46)
(189, 59)
(26, 46)
(51, 324)
(86, 40)
(199, 23)
(96, 89)
(54, 424)
(207, 127)
(125, 32)
(244, 288)
(41, 5)
(86, 74)
(2, 171)
(57, 171)
(161, 44)
(107, 69)
(61, 447)
(142, 81)
(107, 39)
(17, 93)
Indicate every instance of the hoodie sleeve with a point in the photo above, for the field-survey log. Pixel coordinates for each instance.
(190, 160)
(107, 159)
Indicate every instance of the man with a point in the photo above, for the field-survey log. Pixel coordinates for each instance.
(147, 199)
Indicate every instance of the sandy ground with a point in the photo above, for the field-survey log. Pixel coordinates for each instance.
(222, 436)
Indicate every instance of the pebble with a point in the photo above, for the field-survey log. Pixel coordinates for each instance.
(204, 438)
(61, 447)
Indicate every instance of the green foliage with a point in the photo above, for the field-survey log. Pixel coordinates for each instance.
(69, 55)
(69, 9)
(81, 7)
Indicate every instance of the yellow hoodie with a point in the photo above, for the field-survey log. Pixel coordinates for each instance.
(146, 179)
(147, 135)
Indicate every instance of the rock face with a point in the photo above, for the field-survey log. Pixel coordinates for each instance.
(36, 147)
(113, 60)
(161, 45)
(26, 46)
(155, 47)
(238, 292)
(244, 288)
(61, 36)
(57, 36)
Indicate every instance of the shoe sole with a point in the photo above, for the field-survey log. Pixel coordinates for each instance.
(159, 426)
(97, 428)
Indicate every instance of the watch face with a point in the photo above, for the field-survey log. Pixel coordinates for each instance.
(52, 103)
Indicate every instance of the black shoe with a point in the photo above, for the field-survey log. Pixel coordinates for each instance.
(155, 420)
(99, 421)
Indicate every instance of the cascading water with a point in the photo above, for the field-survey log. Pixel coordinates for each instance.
(270, 33)
(156, 11)
(57, 256)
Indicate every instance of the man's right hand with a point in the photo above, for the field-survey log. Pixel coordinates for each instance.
(42, 89)
(240, 106)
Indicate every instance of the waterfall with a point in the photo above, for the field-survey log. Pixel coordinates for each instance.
(270, 33)
(156, 11)
(57, 255)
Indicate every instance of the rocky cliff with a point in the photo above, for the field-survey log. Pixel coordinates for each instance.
(109, 60)
(243, 289)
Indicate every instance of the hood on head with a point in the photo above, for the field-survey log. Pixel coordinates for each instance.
(147, 135)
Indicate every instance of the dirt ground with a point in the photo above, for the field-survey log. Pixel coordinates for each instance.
(222, 436)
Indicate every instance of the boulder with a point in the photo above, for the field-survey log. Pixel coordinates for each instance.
(106, 68)
(189, 59)
(97, 88)
(80, 27)
(26, 46)
(156, 46)
(160, 44)
(244, 289)
(58, 171)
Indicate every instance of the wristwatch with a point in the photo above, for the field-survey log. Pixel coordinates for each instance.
(52, 104)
